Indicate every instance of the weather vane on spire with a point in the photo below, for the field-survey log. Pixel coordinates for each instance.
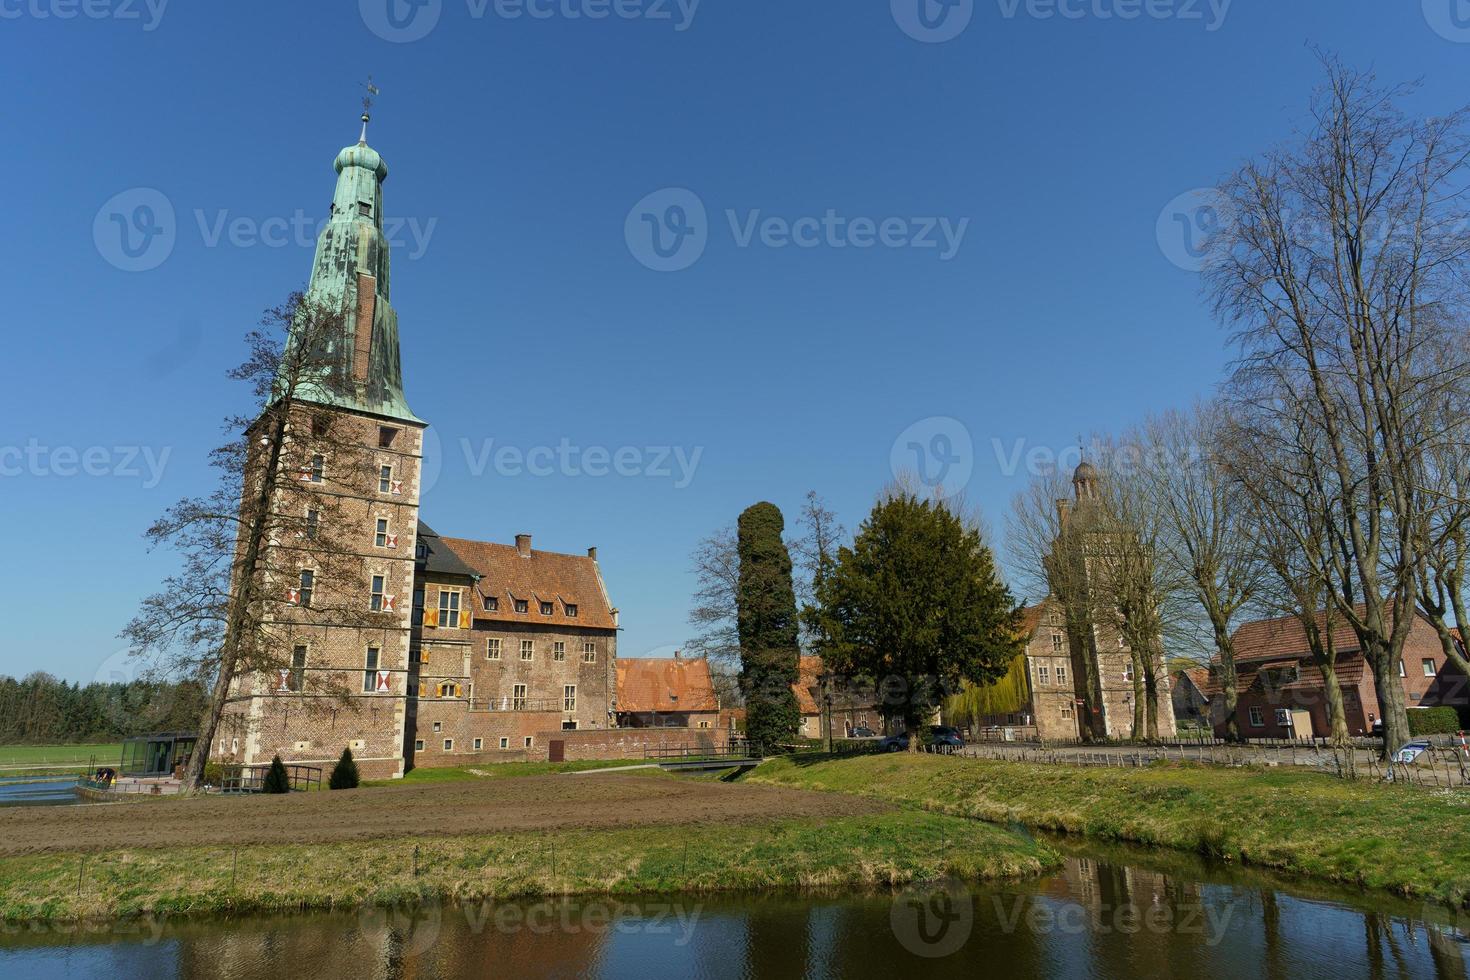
(367, 107)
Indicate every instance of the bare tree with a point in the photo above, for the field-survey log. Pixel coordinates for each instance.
(714, 614)
(231, 612)
(1342, 269)
(814, 554)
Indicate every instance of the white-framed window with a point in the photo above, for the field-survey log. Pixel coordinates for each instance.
(418, 745)
(504, 742)
(385, 478)
(571, 610)
(317, 471)
(492, 648)
(547, 609)
(558, 650)
(492, 603)
(1429, 670)
(1258, 718)
(1043, 674)
(380, 583)
(479, 744)
(438, 726)
(297, 680)
(569, 697)
(521, 605)
(528, 741)
(1061, 674)
(589, 653)
(1066, 709)
(448, 609)
(518, 698)
(528, 649)
(1056, 642)
(449, 745)
(1128, 673)
(370, 670)
(380, 535)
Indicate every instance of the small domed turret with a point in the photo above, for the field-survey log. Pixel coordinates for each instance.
(1084, 481)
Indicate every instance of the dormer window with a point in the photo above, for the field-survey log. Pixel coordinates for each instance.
(546, 608)
(522, 606)
(571, 610)
(492, 603)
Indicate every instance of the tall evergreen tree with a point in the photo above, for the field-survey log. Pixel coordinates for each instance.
(917, 604)
(767, 623)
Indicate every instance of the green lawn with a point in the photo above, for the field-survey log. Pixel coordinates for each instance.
(41, 756)
(500, 770)
(1405, 839)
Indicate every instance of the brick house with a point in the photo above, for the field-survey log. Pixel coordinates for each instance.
(1191, 702)
(1281, 694)
(667, 692)
(853, 705)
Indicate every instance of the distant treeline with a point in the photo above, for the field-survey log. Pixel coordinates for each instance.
(43, 710)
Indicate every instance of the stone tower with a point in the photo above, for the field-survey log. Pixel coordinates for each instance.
(341, 633)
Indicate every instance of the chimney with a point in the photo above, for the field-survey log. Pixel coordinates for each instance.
(523, 545)
(592, 553)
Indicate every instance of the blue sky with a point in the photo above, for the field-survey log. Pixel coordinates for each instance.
(532, 160)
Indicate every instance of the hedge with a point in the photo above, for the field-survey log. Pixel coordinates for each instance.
(1433, 721)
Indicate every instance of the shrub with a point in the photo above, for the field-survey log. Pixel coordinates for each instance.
(214, 774)
(276, 780)
(344, 774)
(1433, 721)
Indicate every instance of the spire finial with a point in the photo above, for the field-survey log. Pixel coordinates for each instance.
(367, 108)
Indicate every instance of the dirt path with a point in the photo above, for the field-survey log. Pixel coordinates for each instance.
(483, 807)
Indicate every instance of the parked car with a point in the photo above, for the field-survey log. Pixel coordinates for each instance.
(895, 743)
(862, 731)
(941, 735)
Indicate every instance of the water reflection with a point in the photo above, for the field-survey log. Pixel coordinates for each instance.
(1105, 914)
(38, 792)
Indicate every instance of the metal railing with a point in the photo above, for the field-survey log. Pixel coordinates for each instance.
(557, 705)
(251, 779)
(734, 750)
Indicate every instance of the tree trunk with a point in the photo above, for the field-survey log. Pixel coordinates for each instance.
(1390, 696)
(1139, 724)
(1225, 647)
(1151, 692)
(1336, 716)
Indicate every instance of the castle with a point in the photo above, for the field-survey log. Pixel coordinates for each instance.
(502, 652)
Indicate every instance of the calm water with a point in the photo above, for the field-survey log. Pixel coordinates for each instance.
(24, 792)
(1107, 914)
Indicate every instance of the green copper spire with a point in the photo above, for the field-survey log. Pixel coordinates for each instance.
(350, 273)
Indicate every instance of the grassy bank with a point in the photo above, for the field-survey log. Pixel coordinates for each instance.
(872, 849)
(1410, 841)
(500, 770)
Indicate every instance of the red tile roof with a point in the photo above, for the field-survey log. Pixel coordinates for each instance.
(541, 576)
(808, 676)
(665, 684)
(1283, 637)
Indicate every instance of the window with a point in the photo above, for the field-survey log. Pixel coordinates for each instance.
(527, 649)
(492, 603)
(571, 610)
(370, 670)
(518, 698)
(528, 741)
(313, 520)
(448, 610)
(320, 425)
(438, 726)
(589, 653)
(1066, 709)
(1428, 667)
(418, 606)
(418, 745)
(1061, 674)
(1402, 671)
(317, 470)
(546, 609)
(1258, 720)
(1043, 674)
(376, 604)
(504, 743)
(569, 726)
(1128, 672)
(492, 648)
(1121, 643)
(380, 539)
(308, 585)
(1056, 642)
(569, 698)
(365, 209)
(521, 605)
(558, 650)
(385, 478)
(479, 744)
(449, 745)
(297, 679)
(386, 435)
